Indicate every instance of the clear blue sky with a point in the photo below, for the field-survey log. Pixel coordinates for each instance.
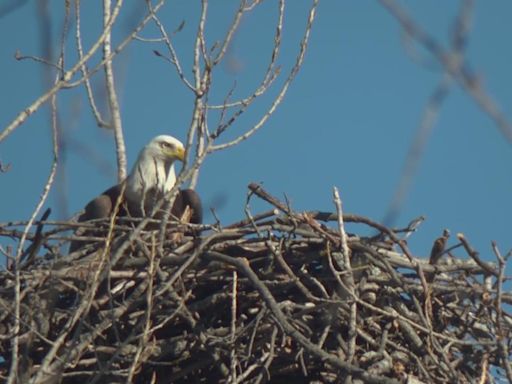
(347, 121)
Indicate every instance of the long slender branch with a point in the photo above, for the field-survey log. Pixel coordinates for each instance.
(170, 47)
(83, 69)
(115, 113)
(349, 274)
(17, 287)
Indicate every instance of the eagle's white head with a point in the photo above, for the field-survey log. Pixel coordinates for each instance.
(154, 169)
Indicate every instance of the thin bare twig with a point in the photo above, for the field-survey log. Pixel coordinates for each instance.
(17, 263)
(115, 113)
(349, 276)
(233, 357)
(83, 69)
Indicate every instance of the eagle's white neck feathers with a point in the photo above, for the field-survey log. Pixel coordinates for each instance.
(150, 173)
(154, 170)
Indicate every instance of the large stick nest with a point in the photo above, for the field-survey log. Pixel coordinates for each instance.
(279, 297)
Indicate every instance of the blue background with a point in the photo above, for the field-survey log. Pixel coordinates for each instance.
(347, 121)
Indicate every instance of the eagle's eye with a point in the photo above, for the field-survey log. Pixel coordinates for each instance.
(166, 145)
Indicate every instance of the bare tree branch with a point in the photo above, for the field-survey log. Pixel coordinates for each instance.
(115, 113)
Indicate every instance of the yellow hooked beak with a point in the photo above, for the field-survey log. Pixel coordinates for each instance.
(178, 153)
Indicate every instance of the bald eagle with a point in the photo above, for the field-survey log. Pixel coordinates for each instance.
(151, 178)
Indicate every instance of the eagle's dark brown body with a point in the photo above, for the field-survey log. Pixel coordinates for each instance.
(146, 188)
(103, 207)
